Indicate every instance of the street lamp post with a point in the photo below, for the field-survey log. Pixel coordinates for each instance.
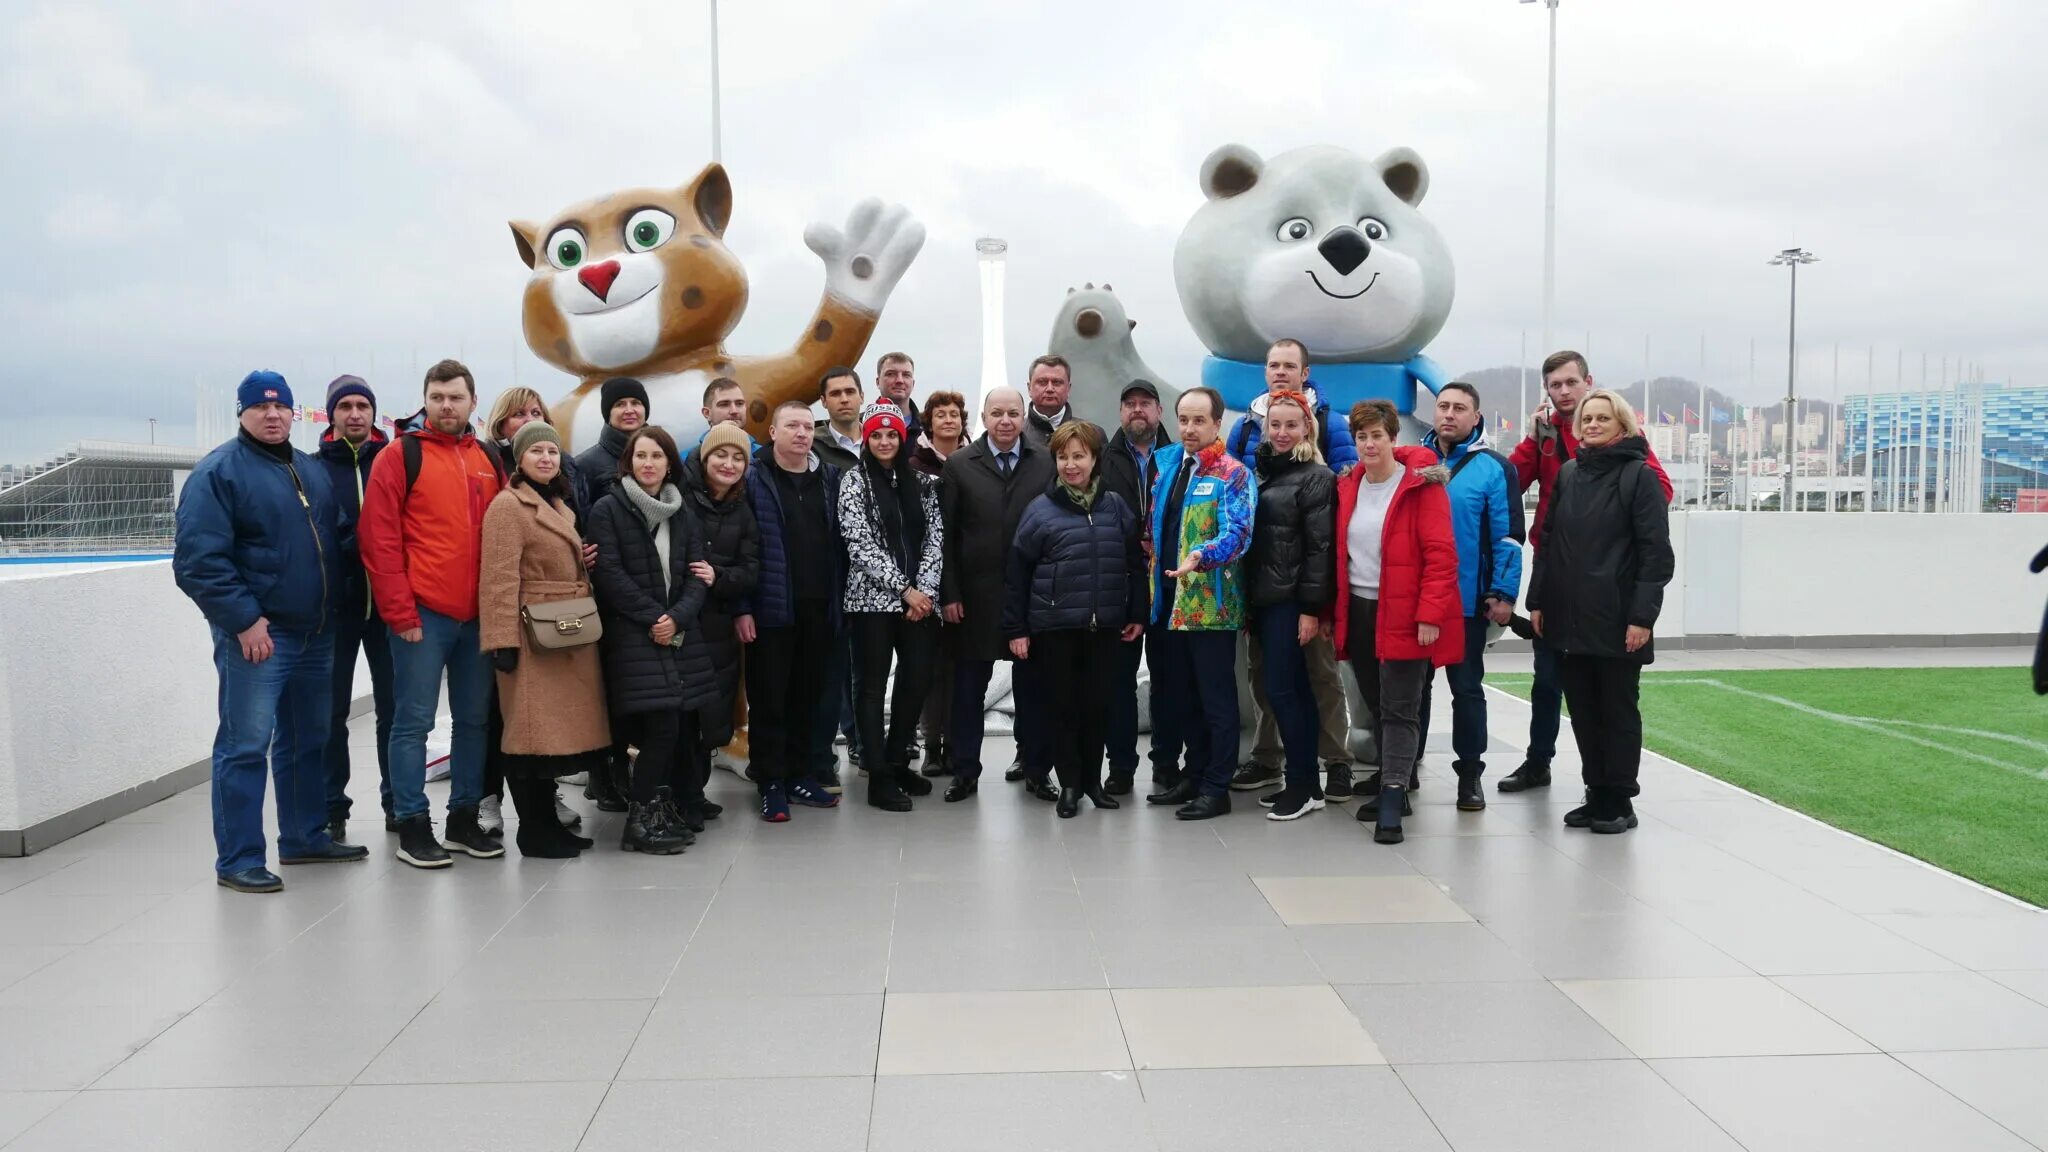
(1550, 183)
(1792, 258)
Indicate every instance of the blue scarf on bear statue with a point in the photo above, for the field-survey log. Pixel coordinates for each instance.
(1339, 385)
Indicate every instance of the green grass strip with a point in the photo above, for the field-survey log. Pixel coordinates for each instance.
(1946, 764)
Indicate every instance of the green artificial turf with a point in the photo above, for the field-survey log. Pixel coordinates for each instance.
(1946, 764)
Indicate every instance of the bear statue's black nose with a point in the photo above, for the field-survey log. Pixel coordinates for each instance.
(1345, 249)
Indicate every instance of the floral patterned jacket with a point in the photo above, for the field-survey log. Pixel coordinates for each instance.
(1216, 526)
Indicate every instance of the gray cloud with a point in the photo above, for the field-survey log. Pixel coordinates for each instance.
(195, 190)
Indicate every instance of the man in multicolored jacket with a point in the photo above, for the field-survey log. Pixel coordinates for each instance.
(1201, 525)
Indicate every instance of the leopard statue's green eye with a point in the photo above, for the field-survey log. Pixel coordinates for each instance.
(648, 229)
(566, 248)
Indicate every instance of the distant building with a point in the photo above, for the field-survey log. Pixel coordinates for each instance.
(1900, 437)
(98, 496)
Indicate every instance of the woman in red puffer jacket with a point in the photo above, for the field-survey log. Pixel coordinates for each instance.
(1398, 611)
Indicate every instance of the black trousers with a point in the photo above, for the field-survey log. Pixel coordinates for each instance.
(786, 669)
(1080, 668)
(1607, 721)
(1393, 690)
(1167, 739)
(668, 742)
(880, 640)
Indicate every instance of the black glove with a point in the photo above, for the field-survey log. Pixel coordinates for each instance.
(505, 659)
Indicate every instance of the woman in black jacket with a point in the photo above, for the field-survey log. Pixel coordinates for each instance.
(1073, 593)
(889, 516)
(647, 542)
(715, 487)
(1292, 567)
(1598, 586)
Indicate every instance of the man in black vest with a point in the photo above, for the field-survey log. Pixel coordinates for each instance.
(988, 484)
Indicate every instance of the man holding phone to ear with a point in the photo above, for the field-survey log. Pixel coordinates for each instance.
(1538, 459)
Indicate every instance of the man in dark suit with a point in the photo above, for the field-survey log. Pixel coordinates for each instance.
(988, 484)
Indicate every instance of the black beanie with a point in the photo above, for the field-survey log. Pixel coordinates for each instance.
(621, 388)
(344, 386)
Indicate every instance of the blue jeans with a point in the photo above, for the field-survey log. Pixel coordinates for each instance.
(273, 717)
(1468, 701)
(416, 680)
(1284, 666)
(373, 640)
(1546, 700)
(1195, 679)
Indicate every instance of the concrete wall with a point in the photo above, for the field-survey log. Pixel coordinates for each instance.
(107, 688)
(107, 697)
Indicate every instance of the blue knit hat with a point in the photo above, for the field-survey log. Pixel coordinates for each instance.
(262, 387)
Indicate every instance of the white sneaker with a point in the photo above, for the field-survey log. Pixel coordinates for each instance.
(490, 816)
(566, 816)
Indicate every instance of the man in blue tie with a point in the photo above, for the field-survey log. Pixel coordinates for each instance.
(987, 486)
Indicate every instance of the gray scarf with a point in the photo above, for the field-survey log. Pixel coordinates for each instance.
(655, 510)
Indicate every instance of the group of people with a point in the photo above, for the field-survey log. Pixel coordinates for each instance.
(623, 614)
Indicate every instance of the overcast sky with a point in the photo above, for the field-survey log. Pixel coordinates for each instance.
(195, 189)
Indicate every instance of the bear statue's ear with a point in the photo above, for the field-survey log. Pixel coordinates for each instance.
(710, 196)
(1229, 171)
(528, 238)
(1134, 323)
(1405, 174)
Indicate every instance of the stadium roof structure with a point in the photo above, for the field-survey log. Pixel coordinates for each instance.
(100, 494)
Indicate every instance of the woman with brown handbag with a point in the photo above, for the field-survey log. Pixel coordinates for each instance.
(550, 688)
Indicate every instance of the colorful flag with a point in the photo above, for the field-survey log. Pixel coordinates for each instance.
(1663, 416)
(1721, 416)
(1689, 416)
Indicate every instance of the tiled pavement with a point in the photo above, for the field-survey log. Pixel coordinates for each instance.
(985, 976)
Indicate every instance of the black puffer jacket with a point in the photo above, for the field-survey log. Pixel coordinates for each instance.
(1606, 552)
(640, 675)
(1293, 556)
(732, 545)
(1074, 568)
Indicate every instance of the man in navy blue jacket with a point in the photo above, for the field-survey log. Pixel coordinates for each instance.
(792, 624)
(351, 443)
(1486, 513)
(256, 551)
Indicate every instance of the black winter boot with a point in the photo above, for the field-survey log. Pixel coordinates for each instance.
(1392, 805)
(645, 832)
(1613, 813)
(1471, 797)
(462, 833)
(1532, 774)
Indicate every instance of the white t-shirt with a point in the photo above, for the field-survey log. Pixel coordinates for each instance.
(1362, 537)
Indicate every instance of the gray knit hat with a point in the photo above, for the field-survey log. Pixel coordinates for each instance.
(530, 433)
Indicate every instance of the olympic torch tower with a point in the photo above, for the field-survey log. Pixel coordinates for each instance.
(992, 253)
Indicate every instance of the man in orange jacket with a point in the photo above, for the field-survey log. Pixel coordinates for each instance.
(421, 538)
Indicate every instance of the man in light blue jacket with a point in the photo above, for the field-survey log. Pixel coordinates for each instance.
(1487, 516)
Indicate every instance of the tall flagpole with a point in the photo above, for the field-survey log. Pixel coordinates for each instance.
(1706, 426)
(717, 131)
(1834, 438)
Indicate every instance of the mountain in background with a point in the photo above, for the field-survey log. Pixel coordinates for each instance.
(1511, 393)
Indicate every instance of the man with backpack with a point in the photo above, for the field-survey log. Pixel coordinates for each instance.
(421, 538)
(1541, 455)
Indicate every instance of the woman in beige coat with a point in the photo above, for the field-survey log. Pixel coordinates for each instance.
(553, 700)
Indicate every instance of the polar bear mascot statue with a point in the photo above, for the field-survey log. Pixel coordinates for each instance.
(1325, 246)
